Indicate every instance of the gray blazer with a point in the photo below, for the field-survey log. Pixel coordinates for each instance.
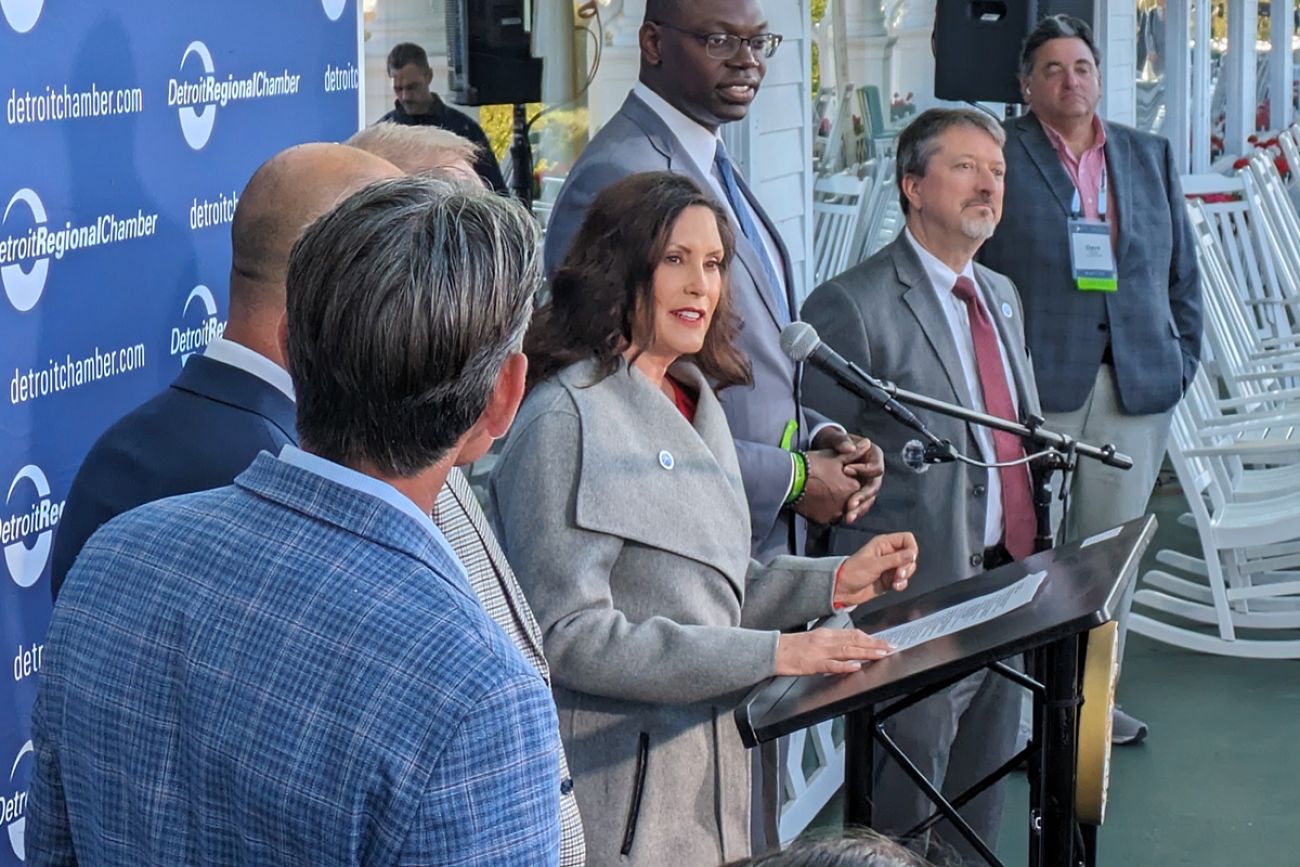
(637, 140)
(628, 527)
(1153, 322)
(884, 315)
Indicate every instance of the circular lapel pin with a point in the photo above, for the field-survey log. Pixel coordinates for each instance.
(1006, 309)
(666, 460)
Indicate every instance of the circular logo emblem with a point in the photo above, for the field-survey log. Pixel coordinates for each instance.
(24, 288)
(197, 125)
(666, 460)
(22, 14)
(334, 8)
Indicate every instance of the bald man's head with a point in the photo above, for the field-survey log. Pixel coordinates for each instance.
(285, 195)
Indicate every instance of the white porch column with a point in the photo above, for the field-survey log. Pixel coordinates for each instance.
(1280, 64)
(869, 43)
(1202, 91)
(1178, 81)
(911, 64)
(619, 65)
(1240, 63)
(1115, 32)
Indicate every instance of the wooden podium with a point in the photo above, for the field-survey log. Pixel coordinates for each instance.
(1085, 584)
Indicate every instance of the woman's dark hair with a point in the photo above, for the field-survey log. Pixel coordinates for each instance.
(602, 295)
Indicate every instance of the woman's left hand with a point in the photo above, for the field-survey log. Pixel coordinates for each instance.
(886, 562)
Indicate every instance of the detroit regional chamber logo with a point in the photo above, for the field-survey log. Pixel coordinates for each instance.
(22, 15)
(27, 532)
(198, 96)
(199, 326)
(28, 243)
(13, 805)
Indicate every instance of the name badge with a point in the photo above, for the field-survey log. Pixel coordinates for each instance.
(1091, 258)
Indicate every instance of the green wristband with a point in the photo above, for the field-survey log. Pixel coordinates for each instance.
(800, 478)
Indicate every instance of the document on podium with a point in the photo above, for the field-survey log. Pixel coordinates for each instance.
(964, 615)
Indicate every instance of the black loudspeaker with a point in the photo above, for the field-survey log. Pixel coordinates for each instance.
(489, 53)
(977, 44)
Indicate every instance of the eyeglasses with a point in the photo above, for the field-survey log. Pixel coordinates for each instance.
(724, 46)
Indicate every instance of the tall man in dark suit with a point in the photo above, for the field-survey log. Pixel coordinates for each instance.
(235, 399)
(923, 314)
(293, 669)
(702, 62)
(1115, 340)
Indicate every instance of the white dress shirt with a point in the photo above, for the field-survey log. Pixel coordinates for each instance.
(240, 356)
(942, 278)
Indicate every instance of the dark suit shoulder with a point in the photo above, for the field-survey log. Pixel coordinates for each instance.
(1135, 137)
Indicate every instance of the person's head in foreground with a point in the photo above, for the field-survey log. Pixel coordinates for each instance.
(858, 848)
(645, 279)
(425, 369)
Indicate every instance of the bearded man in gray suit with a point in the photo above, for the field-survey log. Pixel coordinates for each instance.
(923, 314)
(1114, 357)
(702, 62)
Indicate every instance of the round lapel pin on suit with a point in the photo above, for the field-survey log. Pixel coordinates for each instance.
(666, 460)
(1006, 309)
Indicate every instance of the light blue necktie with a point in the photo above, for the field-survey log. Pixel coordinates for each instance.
(739, 207)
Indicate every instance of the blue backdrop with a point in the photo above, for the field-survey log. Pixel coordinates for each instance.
(129, 130)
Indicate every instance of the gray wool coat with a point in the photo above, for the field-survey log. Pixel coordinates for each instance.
(628, 529)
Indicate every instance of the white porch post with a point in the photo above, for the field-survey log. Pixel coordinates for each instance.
(1202, 92)
(1280, 64)
(1116, 36)
(1178, 82)
(868, 55)
(1241, 103)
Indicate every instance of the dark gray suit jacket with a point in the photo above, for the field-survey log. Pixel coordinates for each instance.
(885, 316)
(1153, 321)
(198, 434)
(637, 140)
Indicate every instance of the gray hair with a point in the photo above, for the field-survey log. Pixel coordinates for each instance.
(920, 140)
(414, 148)
(855, 847)
(1056, 27)
(404, 302)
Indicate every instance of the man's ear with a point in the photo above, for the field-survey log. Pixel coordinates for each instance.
(908, 186)
(282, 338)
(506, 396)
(651, 49)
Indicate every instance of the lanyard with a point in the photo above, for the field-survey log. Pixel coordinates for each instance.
(1076, 206)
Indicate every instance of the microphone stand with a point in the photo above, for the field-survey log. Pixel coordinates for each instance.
(1062, 450)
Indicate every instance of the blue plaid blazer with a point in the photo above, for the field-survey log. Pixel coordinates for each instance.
(285, 671)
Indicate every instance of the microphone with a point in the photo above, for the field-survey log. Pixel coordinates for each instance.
(914, 456)
(799, 341)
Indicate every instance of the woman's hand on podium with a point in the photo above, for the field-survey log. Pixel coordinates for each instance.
(827, 651)
(885, 563)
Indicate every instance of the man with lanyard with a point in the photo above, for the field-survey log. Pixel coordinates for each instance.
(1095, 236)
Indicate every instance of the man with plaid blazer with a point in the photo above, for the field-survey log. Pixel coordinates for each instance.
(294, 669)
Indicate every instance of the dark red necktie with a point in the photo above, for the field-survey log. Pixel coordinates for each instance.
(1017, 504)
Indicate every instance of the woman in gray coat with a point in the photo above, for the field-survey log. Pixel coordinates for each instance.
(619, 503)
